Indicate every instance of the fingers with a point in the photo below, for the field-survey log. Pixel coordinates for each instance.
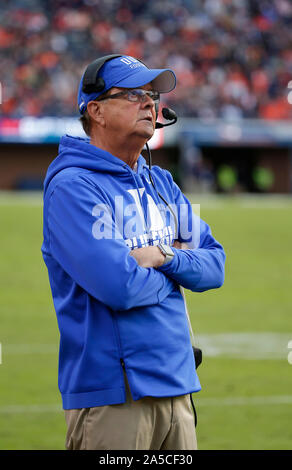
(180, 245)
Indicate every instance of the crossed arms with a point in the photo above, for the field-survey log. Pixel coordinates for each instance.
(108, 270)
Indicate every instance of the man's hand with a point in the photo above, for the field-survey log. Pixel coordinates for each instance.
(151, 256)
(179, 245)
(148, 256)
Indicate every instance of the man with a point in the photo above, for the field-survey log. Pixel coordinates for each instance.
(115, 264)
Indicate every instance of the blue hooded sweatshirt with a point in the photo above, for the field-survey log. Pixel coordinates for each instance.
(112, 313)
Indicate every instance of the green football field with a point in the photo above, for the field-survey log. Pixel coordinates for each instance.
(243, 328)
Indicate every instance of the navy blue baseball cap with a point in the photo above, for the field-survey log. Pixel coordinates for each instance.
(127, 72)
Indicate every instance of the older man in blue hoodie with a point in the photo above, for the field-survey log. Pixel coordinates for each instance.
(115, 259)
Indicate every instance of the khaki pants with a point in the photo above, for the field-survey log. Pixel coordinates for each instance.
(146, 424)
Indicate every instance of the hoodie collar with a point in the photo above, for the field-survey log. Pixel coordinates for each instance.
(78, 152)
(83, 145)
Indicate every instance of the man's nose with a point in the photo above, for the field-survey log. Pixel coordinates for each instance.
(148, 102)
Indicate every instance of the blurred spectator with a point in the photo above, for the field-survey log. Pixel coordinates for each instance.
(233, 58)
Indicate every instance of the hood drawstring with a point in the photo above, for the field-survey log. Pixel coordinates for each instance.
(139, 195)
(166, 203)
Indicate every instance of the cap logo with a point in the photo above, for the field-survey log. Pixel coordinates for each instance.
(128, 60)
(133, 63)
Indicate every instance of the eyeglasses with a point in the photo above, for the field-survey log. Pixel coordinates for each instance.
(135, 95)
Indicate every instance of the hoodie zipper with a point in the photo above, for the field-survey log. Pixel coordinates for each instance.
(116, 328)
(122, 362)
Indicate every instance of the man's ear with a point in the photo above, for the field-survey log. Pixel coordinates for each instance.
(95, 111)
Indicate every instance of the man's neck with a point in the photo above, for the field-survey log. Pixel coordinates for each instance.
(124, 153)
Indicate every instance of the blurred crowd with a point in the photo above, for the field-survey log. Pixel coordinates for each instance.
(232, 58)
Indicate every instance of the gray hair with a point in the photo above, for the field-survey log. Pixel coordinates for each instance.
(85, 119)
(86, 122)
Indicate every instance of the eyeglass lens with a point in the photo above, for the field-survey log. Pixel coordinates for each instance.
(140, 94)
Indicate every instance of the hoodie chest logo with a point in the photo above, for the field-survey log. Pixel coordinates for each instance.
(153, 226)
(156, 221)
(139, 224)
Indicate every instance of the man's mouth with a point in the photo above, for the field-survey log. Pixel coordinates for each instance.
(147, 118)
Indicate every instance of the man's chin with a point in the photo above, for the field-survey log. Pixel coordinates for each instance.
(146, 131)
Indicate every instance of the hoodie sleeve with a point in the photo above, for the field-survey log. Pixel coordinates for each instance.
(202, 266)
(101, 266)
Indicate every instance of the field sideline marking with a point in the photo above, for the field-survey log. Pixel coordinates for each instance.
(245, 401)
(15, 349)
(216, 201)
(29, 198)
(244, 200)
(249, 346)
(252, 345)
(226, 401)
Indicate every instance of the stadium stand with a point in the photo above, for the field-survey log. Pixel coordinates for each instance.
(233, 58)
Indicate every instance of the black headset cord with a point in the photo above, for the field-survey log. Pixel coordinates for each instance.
(158, 193)
(176, 228)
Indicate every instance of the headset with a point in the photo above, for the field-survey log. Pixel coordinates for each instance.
(93, 83)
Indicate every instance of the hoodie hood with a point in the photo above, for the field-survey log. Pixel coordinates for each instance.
(79, 153)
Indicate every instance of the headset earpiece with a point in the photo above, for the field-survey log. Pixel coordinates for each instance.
(96, 87)
(91, 82)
